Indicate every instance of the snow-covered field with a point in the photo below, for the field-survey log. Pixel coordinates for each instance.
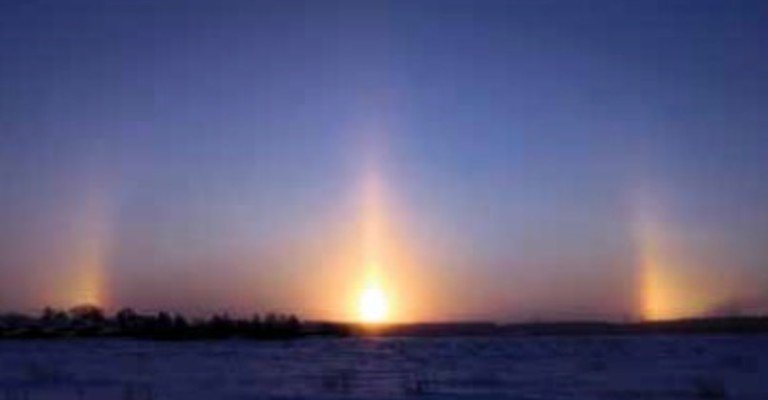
(639, 367)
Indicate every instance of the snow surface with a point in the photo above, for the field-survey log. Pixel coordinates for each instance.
(619, 367)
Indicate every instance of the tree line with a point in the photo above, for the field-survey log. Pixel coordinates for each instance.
(92, 321)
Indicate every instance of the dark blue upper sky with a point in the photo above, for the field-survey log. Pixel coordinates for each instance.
(538, 156)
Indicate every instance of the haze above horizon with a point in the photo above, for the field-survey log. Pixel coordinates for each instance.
(389, 161)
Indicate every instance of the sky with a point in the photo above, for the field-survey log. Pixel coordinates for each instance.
(471, 160)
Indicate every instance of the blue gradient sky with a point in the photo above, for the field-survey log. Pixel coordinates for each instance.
(536, 155)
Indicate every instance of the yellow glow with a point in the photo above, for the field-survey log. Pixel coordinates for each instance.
(377, 251)
(369, 275)
(89, 249)
(664, 292)
(373, 306)
(673, 282)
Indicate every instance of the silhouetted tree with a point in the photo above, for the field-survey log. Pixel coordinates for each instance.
(91, 321)
(87, 313)
(127, 320)
(87, 320)
(54, 317)
(180, 323)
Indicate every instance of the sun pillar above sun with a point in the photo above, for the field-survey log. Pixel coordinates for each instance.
(373, 304)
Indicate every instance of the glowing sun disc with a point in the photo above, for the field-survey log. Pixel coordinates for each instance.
(373, 305)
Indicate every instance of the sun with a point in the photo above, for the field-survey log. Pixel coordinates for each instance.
(372, 305)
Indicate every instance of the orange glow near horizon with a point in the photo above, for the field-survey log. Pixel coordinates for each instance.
(379, 264)
(373, 304)
(364, 268)
(87, 286)
(85, 280)
(657, 292)
(669, 285)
